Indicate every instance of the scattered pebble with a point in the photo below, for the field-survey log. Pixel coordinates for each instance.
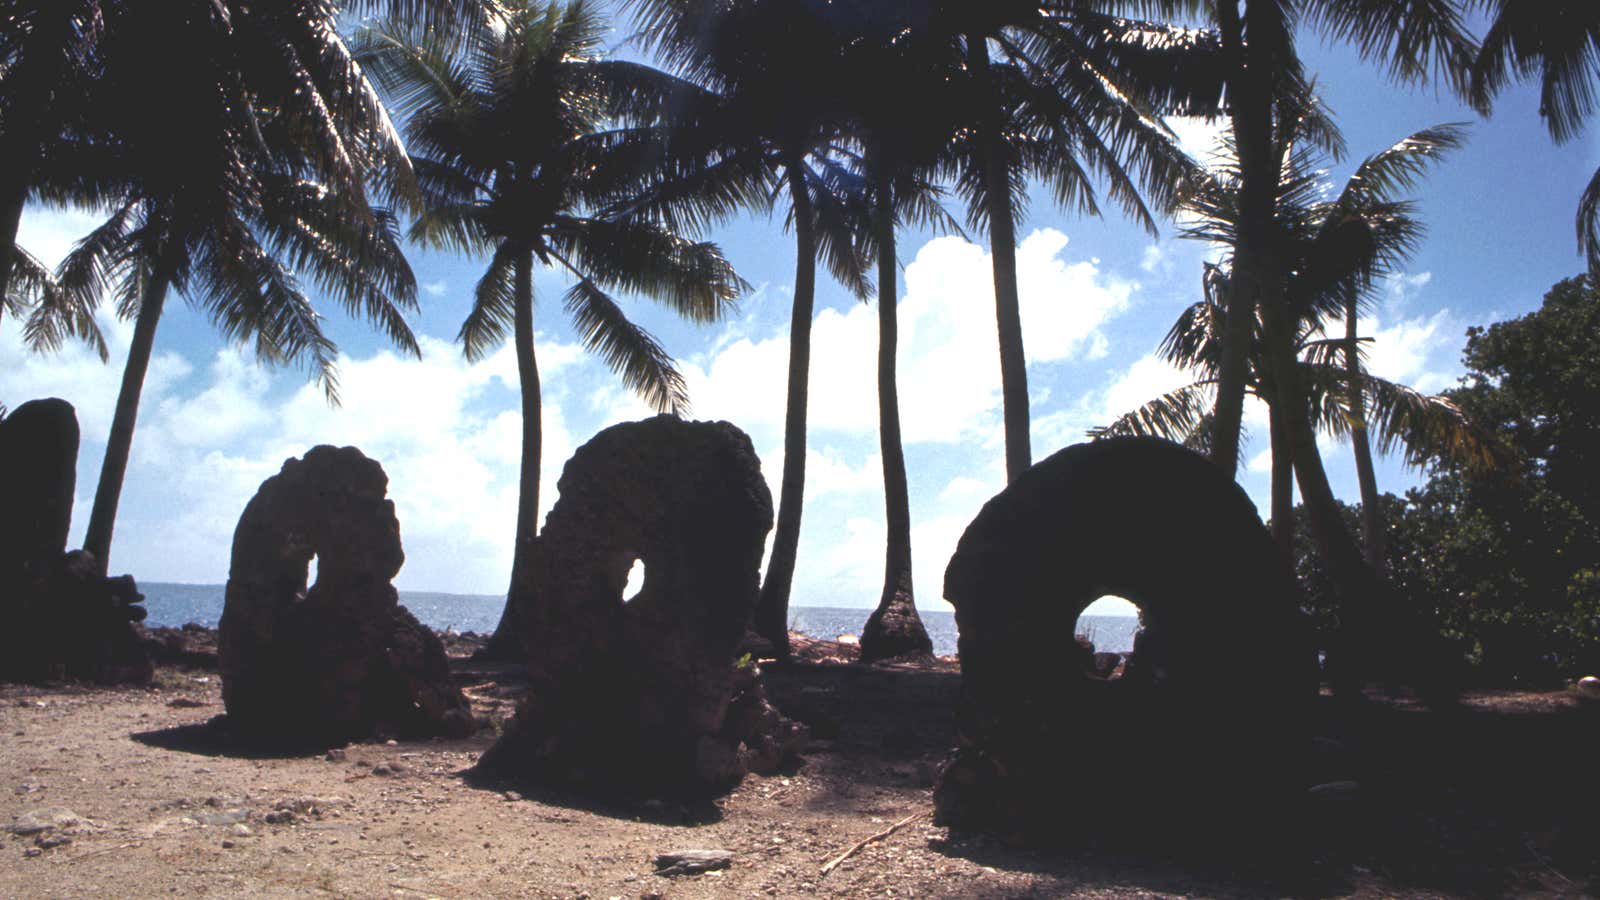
(228, 817)
(692, 862)
(227, 844)
(335, 755)
(40, 820)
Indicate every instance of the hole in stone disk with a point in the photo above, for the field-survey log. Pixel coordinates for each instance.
(1106, 629)
(630, 591)
(311, 579)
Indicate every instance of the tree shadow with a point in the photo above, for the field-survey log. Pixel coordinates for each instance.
(1120, 865)
(678, 811)
(215, 738)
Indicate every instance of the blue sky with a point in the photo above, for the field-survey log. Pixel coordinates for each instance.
(1097, 297)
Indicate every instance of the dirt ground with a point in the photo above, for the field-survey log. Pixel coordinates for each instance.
(1499, 797)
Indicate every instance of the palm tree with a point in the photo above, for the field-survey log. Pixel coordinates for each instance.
(47, 50)
(1072, 91)
(1336, 251)
(1260, 68)
(520, 133)
(779, 107)
(241, 165)
(1559, 43)
(901, 145)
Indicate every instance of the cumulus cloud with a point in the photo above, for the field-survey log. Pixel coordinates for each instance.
(948, 362)
(50, 234)
(1200, 138)
(1419, 350)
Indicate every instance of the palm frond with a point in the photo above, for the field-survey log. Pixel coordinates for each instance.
(692, 278)
(57, 315)
(1557, 42)
(252, 297)
(1175, 416)
(1589, 224)
(1398, 168)
(636, 357)
(1415, 39)
(1427, 429)
(494, 307)
(91, 269)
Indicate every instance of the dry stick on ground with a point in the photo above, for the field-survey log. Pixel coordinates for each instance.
(855, 848)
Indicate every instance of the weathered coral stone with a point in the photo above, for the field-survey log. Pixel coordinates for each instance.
(63, 618)
(1212, 708)
(636, 695)
(343, 659)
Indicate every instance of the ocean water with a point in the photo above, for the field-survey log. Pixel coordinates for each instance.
(179, 604)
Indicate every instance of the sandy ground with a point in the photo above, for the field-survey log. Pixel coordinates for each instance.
(156, 808)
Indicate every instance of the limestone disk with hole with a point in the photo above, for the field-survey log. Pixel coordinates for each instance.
(341, 659)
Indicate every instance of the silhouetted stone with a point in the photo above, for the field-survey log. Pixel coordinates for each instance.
(343, 659)
(637, 696)
(1210, 713)
(63, 619)
(39, 472)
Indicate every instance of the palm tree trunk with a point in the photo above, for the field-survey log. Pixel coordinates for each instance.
(1003, 256)
(1251, 110)
(103, 516)
(1354, 581)
(12, 201)
(1282, 482)
(506, 642)
(1358, 587)
(894, 628)
(1371, 515)
(772, 610)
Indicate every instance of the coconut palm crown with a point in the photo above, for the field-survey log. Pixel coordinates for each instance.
(523, 136)
(777, 132)
(235, 172)
(1559, 45)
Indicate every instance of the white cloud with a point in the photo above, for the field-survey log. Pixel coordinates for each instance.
(1148, 378)
(948, 362)
(49, 234)
(1419, 350)
(1154, 255)
(1261, 463)
(1198, 137)
(436, 288)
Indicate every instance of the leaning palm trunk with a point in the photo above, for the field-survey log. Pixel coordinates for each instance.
(772, 611)
(103, 516)
(1251, 112)
(1282, 482)
(1355, 583)
(11, 204)
(1003, 256)
(506, 642)
(894, 628)
(1371, 522)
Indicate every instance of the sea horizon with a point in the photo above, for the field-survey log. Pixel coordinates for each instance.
(174, 604)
